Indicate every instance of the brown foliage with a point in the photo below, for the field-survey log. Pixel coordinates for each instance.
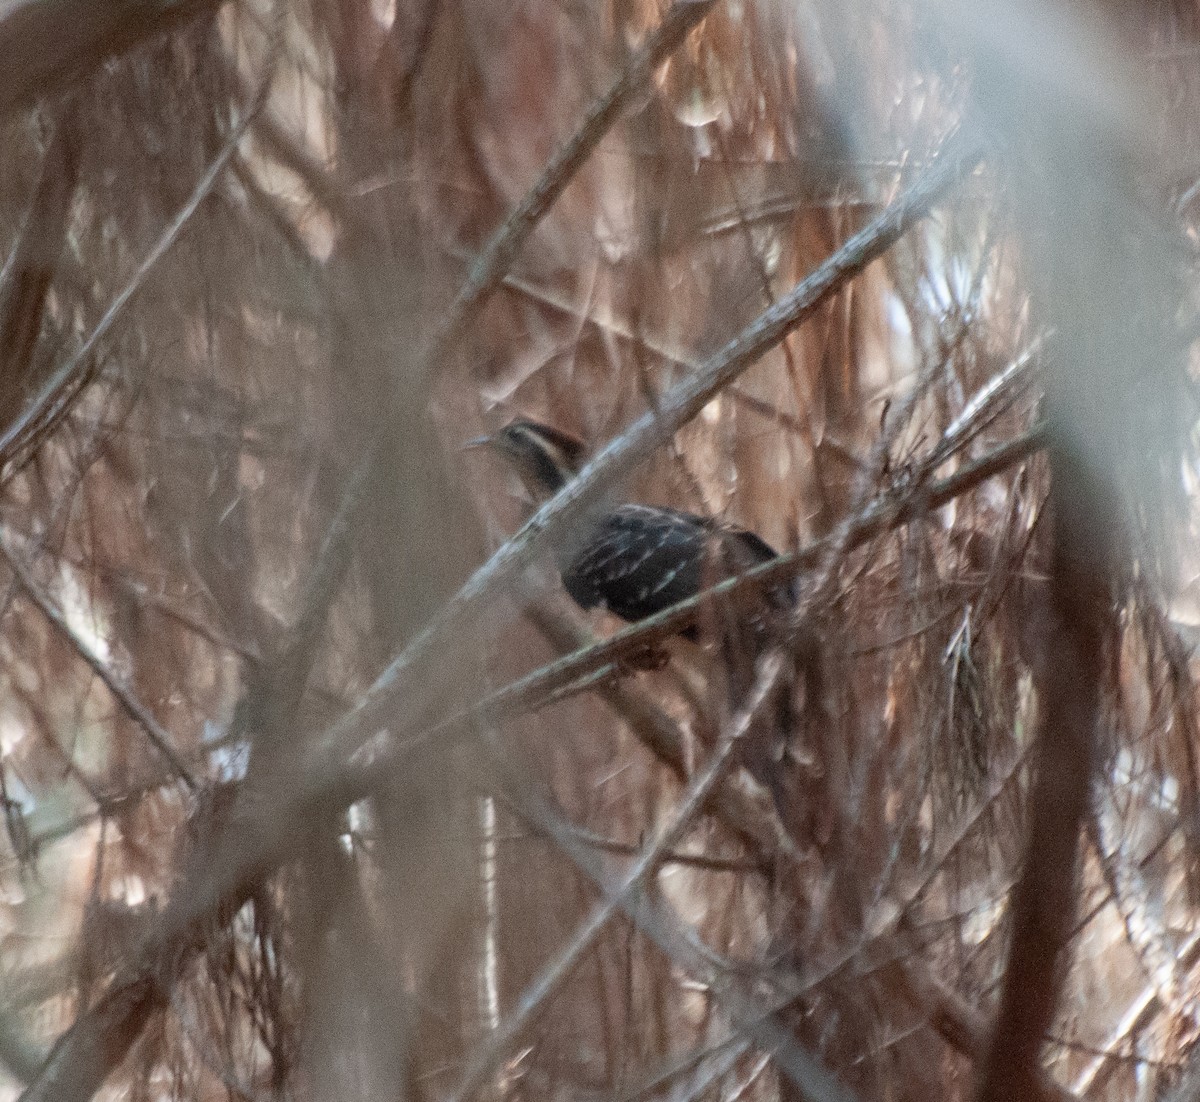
(300, 800)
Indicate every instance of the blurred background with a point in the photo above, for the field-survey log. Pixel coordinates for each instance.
(276, 823)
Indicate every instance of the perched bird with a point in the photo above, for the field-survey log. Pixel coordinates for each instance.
(634, 560)
(637, 560)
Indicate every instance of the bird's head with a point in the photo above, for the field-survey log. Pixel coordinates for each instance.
(545, 458)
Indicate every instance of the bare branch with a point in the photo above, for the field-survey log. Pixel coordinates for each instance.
(493, 263)
(60, 391)
(659, 922)
(677, 407)
(159, 737)
(26, 275)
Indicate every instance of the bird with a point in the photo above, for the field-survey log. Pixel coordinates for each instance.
(638, 560)
(633, 560)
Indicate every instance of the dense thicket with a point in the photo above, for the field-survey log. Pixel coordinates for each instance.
(315, 785)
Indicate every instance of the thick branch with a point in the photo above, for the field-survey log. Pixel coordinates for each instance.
(1043, 907)
(46, 45)
(964, 1027)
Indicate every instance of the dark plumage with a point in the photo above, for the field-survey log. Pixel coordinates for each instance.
(635, 560)
(642, 559)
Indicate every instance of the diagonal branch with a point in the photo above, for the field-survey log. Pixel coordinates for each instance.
(748, 815)
(564, 675)
(761, 1023)
(678, 406)
(27, 273)
(492, 264)
(634, 882)
(159, 737)
(59, 393)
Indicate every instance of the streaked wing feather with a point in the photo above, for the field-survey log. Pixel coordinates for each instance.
(642, 559)
(639, 561)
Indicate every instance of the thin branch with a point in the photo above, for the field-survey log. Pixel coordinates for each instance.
(678, 406)
(723, 1056)
(1139, 1015)
(744, 810)
(27, 273)
(673, 857)
(159, 737)
(56, 396)
(530, 1004)
(743, 1087)
(761, 1023)
(497, 256)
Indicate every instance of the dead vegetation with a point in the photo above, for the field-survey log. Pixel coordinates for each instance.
(314, 783)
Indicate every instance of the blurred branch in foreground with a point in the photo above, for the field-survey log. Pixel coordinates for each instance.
(305, 795)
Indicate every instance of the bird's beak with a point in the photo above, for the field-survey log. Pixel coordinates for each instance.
(478, 442)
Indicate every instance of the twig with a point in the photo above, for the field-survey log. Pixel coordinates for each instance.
(488, 1056)
(134, 708)
(64, 386)
(620, 456)
(991, 400)
(740, 1091)
(672, 857)
(497, 256)
(609, 325)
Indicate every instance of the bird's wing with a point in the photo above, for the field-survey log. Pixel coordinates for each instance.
(639, 561)
(642, 559)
